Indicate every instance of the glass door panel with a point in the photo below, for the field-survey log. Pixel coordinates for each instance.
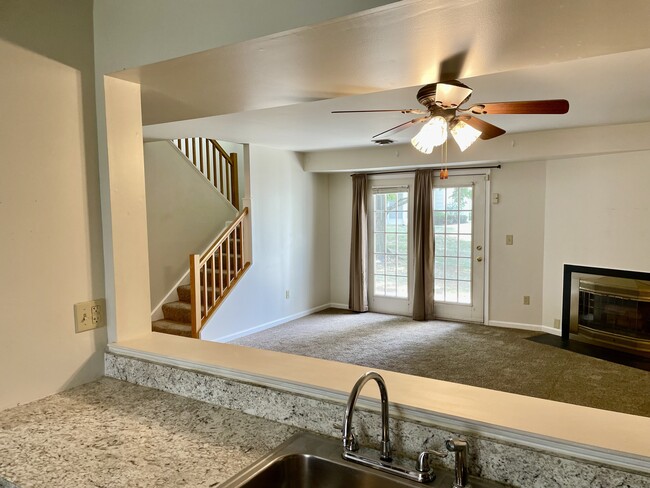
(459, 215)
(390, 245)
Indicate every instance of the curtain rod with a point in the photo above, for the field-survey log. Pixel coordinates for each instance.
(493, 166)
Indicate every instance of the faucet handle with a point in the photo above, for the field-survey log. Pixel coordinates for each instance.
(422, 464)
(351, 443)
(456, 444)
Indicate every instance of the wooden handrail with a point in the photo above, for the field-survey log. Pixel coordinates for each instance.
(219, 167)
(226, 257)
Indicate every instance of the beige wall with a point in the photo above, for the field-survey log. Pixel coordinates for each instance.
(290, 219)
(340, 185)
(138, 32)
(50, 249)
(516, 270)
(134, 33)
(597, 211)
(588, 210)
(184, 214)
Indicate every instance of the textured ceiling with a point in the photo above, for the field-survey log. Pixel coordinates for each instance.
(279, 90)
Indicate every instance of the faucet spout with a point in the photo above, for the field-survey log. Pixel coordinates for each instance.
(349, 440)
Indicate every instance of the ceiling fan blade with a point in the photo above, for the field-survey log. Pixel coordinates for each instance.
(416, 111)
(488, 131)
(526, 107)
(450, 94)
(401, 127)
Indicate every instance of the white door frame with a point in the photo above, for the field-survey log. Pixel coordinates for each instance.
(485, 174)
(391, 305)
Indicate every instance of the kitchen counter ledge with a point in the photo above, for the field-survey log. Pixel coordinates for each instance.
(110, 433)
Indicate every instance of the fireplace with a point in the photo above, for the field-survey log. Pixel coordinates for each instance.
(607, 307)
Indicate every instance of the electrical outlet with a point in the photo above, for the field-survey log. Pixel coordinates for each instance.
(90, 315)
(287, 294)
(556, 324)
(526, 300)
(509, 240)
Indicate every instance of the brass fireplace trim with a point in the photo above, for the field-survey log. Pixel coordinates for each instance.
(616, 287)
(615, 341)
(625, 288)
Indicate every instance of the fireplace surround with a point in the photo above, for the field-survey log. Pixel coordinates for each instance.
(607, 307)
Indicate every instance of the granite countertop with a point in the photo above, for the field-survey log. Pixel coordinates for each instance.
(110, 433)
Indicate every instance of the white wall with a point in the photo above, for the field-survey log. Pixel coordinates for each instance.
(290, 226)
(184, 214)
(597, 214)
(516, 270)
(50, 244)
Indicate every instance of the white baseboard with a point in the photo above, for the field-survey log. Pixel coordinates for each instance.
(516, 325)
(273, 323)
(342, 306)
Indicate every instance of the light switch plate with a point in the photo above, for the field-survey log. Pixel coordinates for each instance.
(509, 240)
(89, 315)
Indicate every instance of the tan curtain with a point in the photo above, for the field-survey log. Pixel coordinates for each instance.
(359, 246)
(423, 245)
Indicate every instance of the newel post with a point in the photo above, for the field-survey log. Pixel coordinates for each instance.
(235, 181)
(195, 294)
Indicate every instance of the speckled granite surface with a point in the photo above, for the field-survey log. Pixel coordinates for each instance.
(492, 459)
(113, 434)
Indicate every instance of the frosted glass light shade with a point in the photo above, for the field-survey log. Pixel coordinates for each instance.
(464, 134)
(433, 134)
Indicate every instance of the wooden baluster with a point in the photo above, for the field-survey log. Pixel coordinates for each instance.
(214, 166)
(200, 158)
(228, 259)
(241, 238)
(207, 158)
(195, 294)
(220, 270)
(204, 313)
(234, 251)
(178, 143)
(214, 273)
(194, 151)
(228, 193)
(187, 149)
(221, 169)
(241, 243)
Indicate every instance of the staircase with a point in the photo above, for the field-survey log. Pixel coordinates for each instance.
(214, 273)
(212, 276)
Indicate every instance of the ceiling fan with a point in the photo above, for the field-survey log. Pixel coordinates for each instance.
(443, 114)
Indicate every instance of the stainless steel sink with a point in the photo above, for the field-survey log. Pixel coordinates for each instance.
(308, 460)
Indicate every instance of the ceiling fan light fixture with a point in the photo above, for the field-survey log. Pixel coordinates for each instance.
(464, 134)
(433, 134)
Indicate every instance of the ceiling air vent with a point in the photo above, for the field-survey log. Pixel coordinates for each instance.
(383, 142)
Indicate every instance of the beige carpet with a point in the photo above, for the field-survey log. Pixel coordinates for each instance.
(489, 357)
